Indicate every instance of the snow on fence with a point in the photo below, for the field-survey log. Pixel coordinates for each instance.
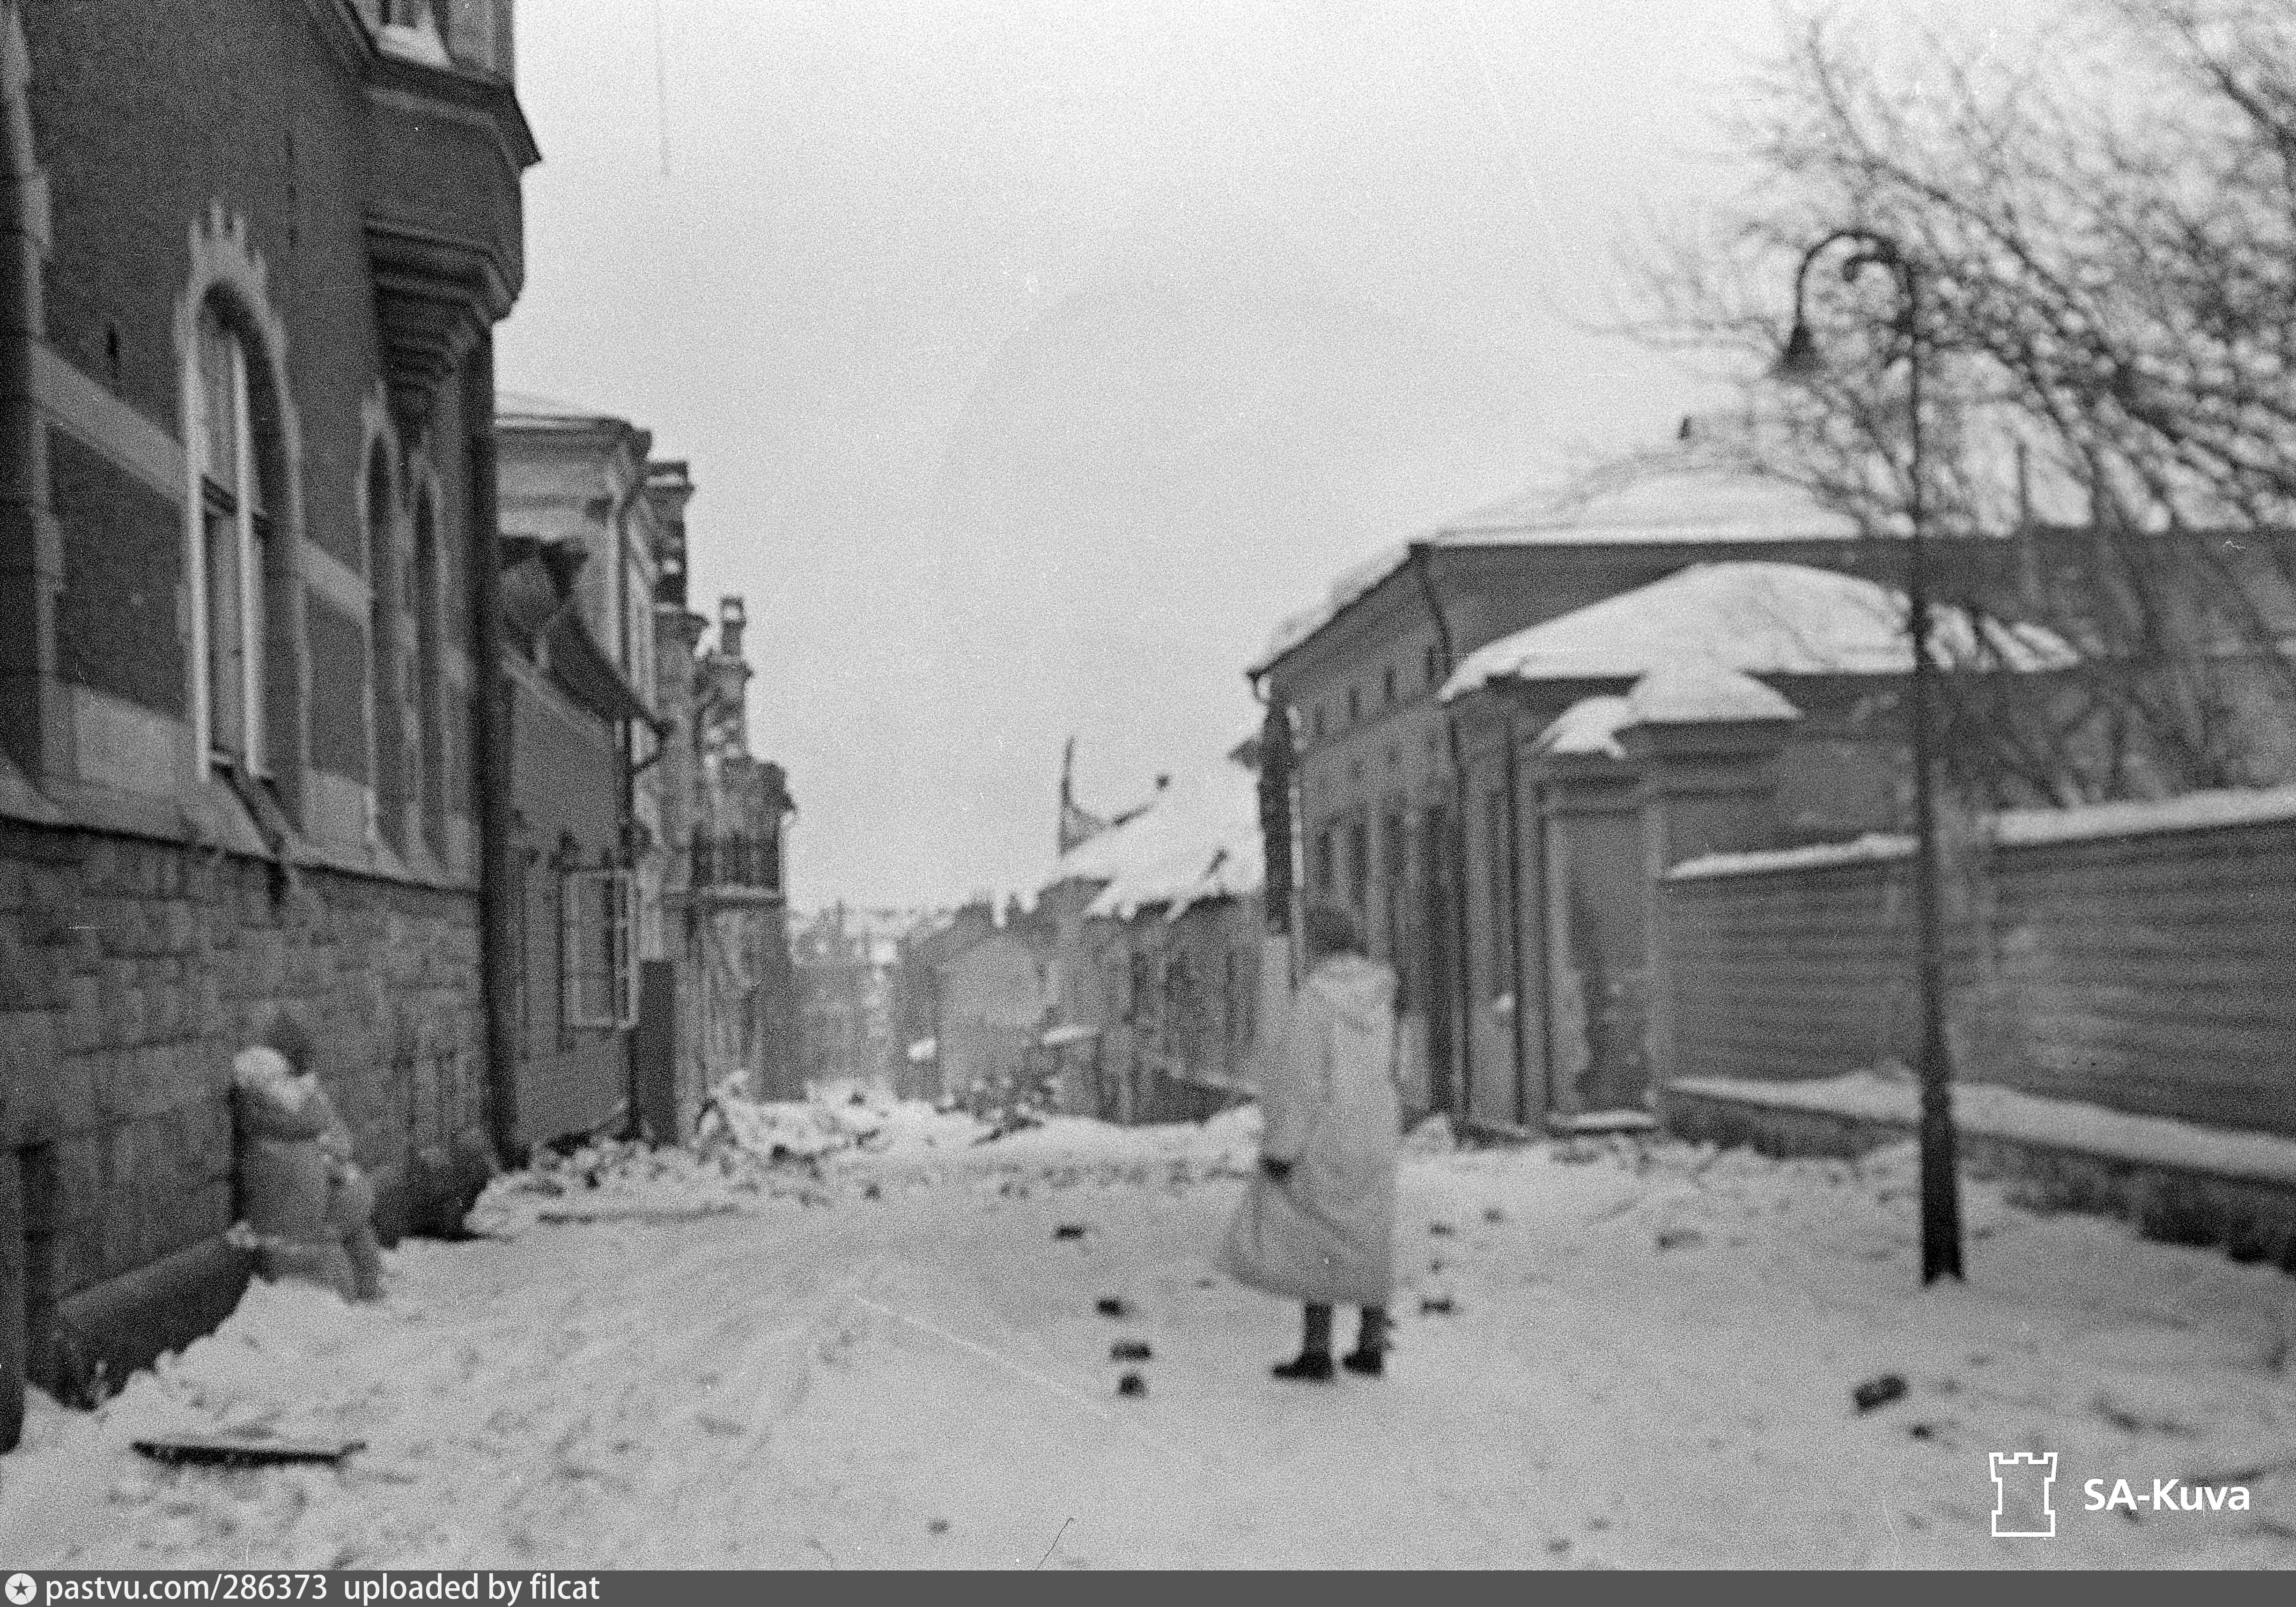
(2139, 957)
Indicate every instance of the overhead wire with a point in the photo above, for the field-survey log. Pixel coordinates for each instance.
(660, 89)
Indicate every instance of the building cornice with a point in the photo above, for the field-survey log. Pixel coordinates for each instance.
(435, 295)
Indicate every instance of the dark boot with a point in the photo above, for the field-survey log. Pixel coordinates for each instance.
(1369, 1358)
(1313, 1362)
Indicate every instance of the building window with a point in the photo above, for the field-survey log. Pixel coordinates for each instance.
(637, 625)
(596, 935)
(1387, 685)
(521, 977)
(386, 671)
(1233, 1034)
(235, 540)
(1179, 1029)
(1394, 857)
(429, 697)
(1358, 863)
(736, 859)
(636, 641)
(1136, 997)
(1501, 944)
(1323, 862)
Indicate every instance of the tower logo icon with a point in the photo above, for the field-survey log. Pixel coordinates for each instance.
(2021, 1509)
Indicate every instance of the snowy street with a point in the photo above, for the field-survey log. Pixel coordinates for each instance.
(1617, 1353)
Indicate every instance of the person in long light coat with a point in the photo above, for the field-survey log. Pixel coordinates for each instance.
(1317, 1221)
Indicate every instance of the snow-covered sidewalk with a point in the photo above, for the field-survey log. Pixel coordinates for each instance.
(882, 1350)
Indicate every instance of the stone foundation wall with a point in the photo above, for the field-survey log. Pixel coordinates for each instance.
(131, 972)
(2248, 1219)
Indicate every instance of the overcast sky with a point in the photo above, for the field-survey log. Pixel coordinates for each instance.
(1033, 359)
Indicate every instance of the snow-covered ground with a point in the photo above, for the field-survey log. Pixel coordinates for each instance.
(880, 1350)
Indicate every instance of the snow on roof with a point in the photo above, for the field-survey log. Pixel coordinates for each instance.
(1199, 840)
(1680, 505)
(1589, 726)
(1758, 617)
(533, 404)
(1352, 584)
(1873, 847)
(1694, 691)
(2014, 828)
(2194, 812)
(1683, 504)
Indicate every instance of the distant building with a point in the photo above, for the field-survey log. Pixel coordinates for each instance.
(1152, 926)
(579, 531)
(654, 959)
(994, 1004)
(916, 992)
(1387, 816)
(732, 846)
(847, 959)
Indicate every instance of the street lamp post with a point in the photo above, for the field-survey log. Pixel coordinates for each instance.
(1941, 1180)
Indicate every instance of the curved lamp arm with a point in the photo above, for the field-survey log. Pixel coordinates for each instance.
(1800, 359)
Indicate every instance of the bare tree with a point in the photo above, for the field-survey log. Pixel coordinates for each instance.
(2107, 238)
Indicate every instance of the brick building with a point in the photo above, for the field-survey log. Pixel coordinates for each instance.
(253, 252)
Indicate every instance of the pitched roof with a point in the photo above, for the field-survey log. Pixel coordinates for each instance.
(1688, 504)
(1757, 617)
(1197, 840)
(1691, 691)
(1589, 726)
(1684, 504)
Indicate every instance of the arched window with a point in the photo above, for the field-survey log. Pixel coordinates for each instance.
(233, 428)
(429, 708)
(386, 673)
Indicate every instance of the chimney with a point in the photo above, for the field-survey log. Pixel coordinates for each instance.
(731, 619)
(668, 488)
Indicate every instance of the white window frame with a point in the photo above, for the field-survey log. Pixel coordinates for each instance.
(386, 676)
(248, 564)
(425, 595)
(597, 949)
